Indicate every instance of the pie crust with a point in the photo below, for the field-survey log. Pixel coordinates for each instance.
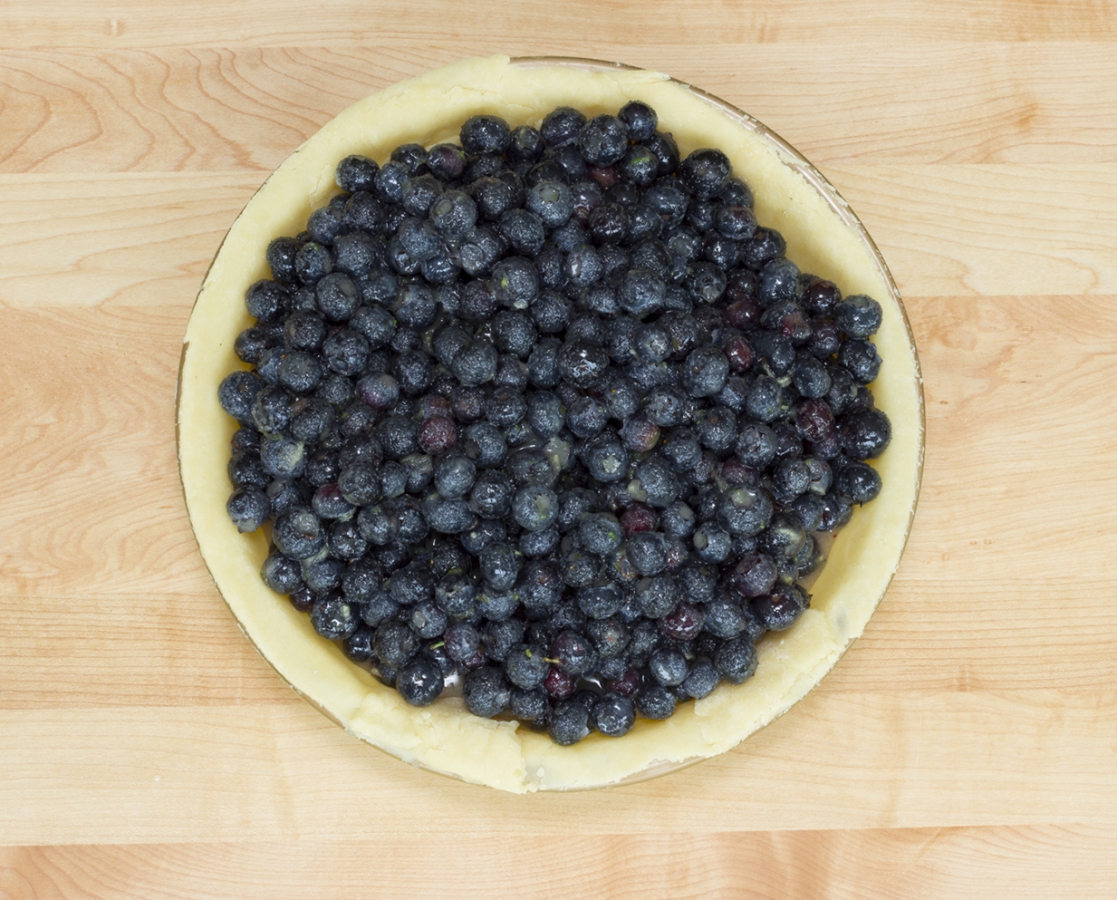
(822, 236)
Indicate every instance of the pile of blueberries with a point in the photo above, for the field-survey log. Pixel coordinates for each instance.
(550, 415)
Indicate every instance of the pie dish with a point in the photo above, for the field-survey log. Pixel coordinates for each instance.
(823, 237)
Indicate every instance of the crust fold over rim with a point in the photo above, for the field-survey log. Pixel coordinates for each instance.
(444, 737)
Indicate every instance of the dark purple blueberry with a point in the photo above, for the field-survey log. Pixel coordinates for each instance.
(702, 678)
(334, 618)
(526, 666)
(337, 296)
(860, 358)
(641, 293)
(485, 134)
(486, 692)
(280, 256)
(613, 714)
(683, 623)
(866, 433)
(778, 610)
(238, 393)
(608, 224)
(568, 722)
(705, 173)
(858, 316)
(603, 140)
(857, 482)
(420, 681)
(736, 660)
(446, 162)
(668, 666)
(266, 300)
(656, 702)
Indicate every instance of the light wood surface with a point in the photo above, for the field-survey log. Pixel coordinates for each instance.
(965, 747)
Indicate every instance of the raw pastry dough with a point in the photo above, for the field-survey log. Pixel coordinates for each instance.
(444, 736)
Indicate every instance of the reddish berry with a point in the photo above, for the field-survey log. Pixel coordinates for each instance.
(638, 517)
(437, 435)
(558, 684)
(683, 623)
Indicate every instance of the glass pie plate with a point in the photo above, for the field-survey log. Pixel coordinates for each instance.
(824, 237)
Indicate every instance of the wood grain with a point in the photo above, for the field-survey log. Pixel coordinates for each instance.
(276, 772)
(537, 26)
(153, 110)
(920, 864)
(965, 747)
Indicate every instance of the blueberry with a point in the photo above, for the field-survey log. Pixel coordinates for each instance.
(420, 681)
(280, 257)
(640, 166)
(249, 509)
(736, 660)
(857, 482)
(313, 262)
(866, 433)
(485, 134)
(606, 459)
(745, 511)
(705, 371)
(711, 543)
(600, 533)
(860, 358)
(525, 666)
(668, 666)
(462, 641)
(561, 126)
(599, 602)
(705, 173)
(568, 722)
(778, 610)
(486, 692)
(656, 702)
(266, 300)
(677, 520)
(238, 393)
(573, 653)
(608, 224)
(535, 507)
(581, 363)
(701, 680)
(281, 574)
(551, 201)
(647, 552)
(603, 140)
(475, 363)
(499, 566)
(641, 293)
(586, 417)
(395, 644)
(456, 595)
(454, 476)
(334, 618)
(859, 315)
(484, 444)
(447, 516)
(655, 482)
(428, 619)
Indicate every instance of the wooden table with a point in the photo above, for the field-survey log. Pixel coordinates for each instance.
(965, 747)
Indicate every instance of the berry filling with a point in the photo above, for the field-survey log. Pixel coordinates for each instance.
(548, 418)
